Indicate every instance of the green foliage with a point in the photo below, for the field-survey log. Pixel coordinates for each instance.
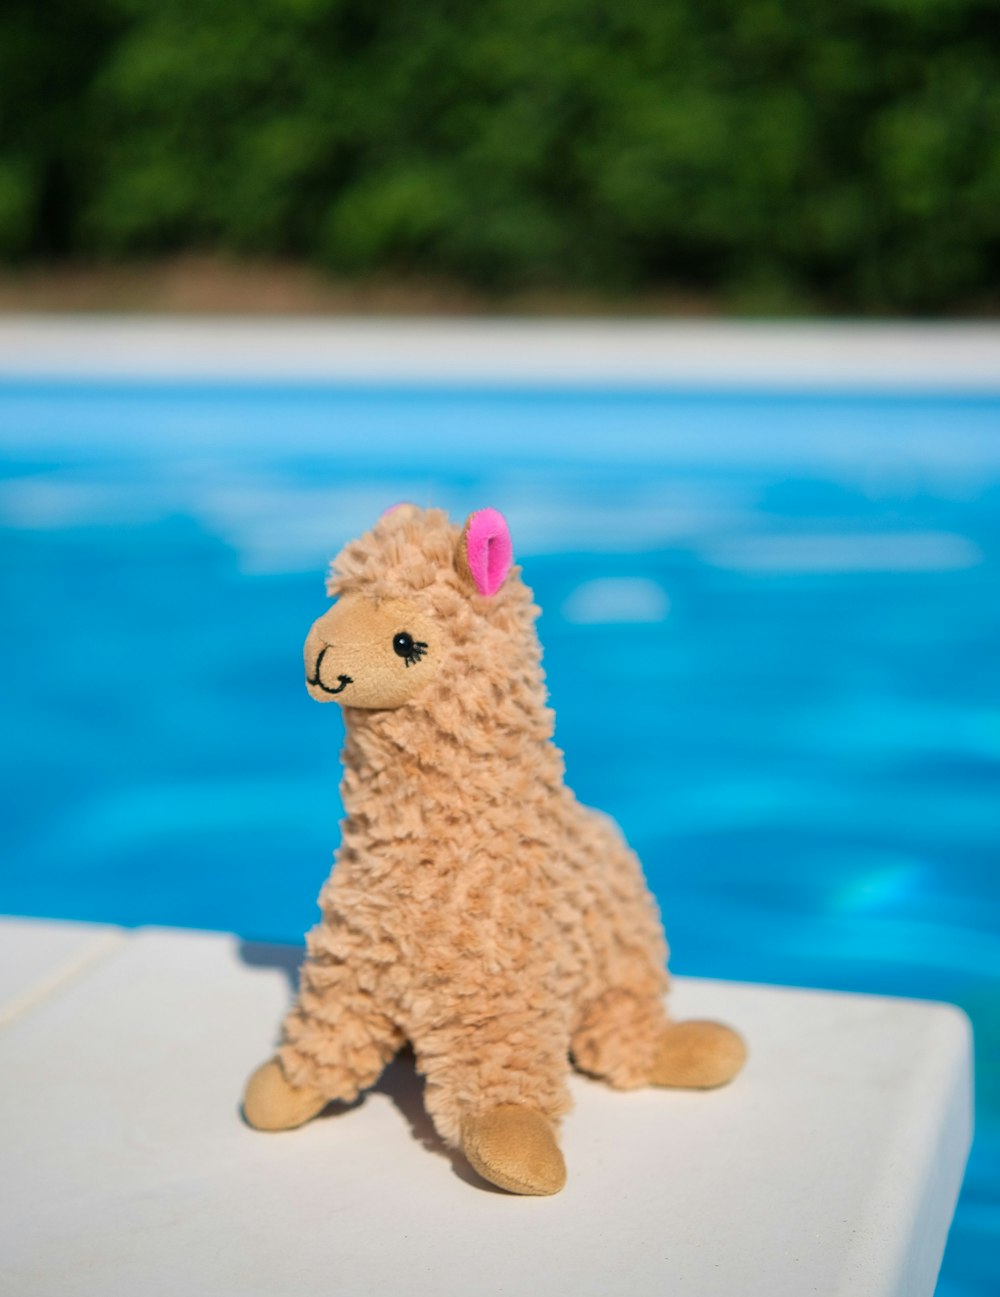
(841, 154)
(49, 55)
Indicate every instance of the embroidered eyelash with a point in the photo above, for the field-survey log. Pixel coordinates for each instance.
(409, 649)
(416, 653)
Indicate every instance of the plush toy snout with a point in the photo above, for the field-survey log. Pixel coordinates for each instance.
(364, 653)
(323, 680)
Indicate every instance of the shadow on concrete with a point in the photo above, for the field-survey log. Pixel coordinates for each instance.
(287, 959)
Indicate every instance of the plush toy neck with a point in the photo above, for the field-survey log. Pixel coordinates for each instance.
(484, 726)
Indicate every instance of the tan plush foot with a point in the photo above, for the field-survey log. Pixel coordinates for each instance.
(698, 1055)
(514, 1147)
(271, 1103)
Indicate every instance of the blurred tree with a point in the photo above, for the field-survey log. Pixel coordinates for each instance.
(49, 56)
(844, 154)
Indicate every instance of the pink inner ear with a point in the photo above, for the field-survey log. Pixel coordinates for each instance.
(488, 550)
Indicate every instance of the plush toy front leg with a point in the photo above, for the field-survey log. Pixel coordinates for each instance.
(271, 1102)
(496, 1088)
(337, 1040)
(514, 1147)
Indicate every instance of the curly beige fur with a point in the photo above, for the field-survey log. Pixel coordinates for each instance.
(476, 909)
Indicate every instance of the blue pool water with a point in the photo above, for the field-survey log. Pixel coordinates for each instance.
(771, 627)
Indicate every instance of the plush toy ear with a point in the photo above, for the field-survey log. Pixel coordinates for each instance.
(484, 550)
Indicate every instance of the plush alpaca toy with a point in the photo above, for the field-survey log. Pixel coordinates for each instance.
(476, 910)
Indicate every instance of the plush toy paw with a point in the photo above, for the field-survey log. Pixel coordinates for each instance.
(272, 1103)
(698, 1055)
(515, 1148)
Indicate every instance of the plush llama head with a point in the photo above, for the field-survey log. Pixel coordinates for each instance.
(418, 600)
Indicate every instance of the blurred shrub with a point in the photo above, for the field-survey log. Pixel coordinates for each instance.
(841, 153)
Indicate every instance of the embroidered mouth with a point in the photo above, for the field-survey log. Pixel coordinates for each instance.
(315, 681)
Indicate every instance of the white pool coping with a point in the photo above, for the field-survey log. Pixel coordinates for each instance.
(582, 352)
(831, 1166)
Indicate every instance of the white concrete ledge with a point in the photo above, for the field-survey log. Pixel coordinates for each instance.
(582, 353)
(38, 958)
(830, 1167)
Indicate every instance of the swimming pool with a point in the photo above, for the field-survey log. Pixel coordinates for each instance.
(802, 586)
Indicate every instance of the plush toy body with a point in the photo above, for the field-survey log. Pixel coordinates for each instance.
(476, 910)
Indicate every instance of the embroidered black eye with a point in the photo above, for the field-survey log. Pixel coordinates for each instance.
(409, 649)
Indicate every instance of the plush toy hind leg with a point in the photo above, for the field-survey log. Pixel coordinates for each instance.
(336, 1044)
(497, 1091)
(628, 1041)
(698, 1055)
